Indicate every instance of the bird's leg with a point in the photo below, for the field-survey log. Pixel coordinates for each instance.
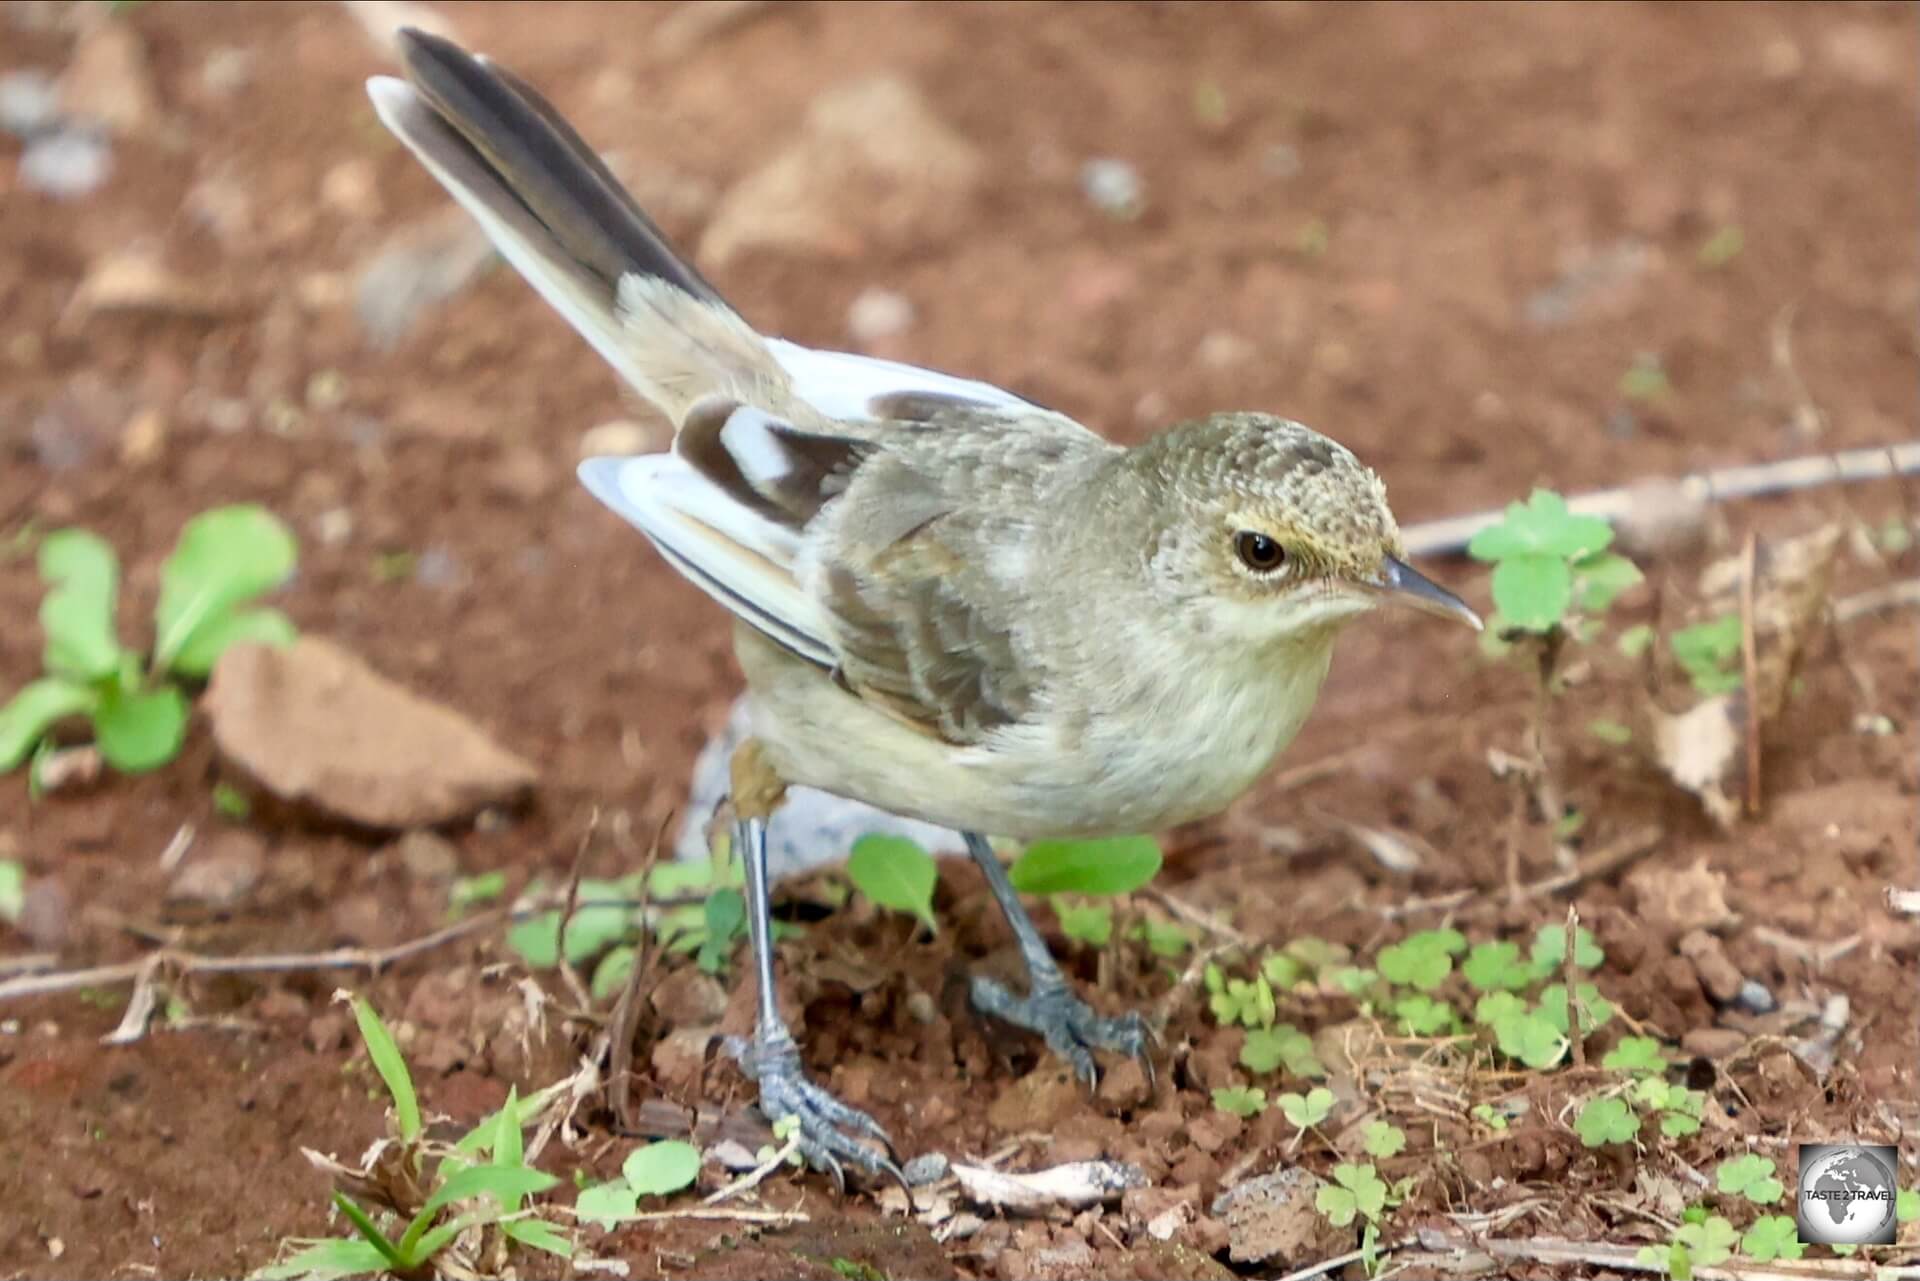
(827, 1126)
(1071, 1027)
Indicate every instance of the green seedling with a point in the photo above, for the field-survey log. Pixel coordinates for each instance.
(1637, 1055)
(496, 1190)
(1678, 1108)
(230, 803)
(1606, 1120)
(1423, 960)
(1772, 1236)
(224, 559)
(1422, 1015)
(1550, 564)
(896, 873)
(1249, 1002)
(657, 1170)
(1163, 938)
(1240, 1100)
(1383, 1139)
(1496, 967)
(1089, 923)
(1304, 1111)
(469, 892)
(1281, 1047)
(1550, 950)
(1709, 653)
(1750, 1176)
(1703, 1242)
(1356, 1192)
(1490, 1116)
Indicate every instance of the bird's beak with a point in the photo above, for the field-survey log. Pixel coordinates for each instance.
(1401, 584)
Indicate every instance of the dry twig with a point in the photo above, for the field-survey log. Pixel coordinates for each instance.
(1750, 663)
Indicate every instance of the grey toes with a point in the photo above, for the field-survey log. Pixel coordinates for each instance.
(1069, 1025)
(830, 1131)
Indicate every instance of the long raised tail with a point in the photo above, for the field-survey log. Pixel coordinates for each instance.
(554, 211)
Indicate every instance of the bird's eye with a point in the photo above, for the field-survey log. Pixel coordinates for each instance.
(1259, 552)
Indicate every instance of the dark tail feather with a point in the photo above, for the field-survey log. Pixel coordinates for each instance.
(537, 155)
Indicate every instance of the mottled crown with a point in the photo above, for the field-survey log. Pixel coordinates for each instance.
(1284, 479)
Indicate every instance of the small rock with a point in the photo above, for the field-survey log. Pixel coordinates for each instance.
(1162, 1211)
(1155, 1260)
(928, 1167)
(1195, 1166)
(428, 856)
(1756, 997)
(614, 439)
(1272, 1219)
(29, 103)
(873, 166)
(1673, 901)
(351, 190)
(522, 474)
(109, 82)
(315, 726)
(1124, 1087)
(879, 314)
(223, 874)
(333, 526)
(134, 280)
(1713, 1042)
(1036, 1101)
(1161, 1124)
(1114, 187)
(67, 164)
(688, 998)
(1719, 977)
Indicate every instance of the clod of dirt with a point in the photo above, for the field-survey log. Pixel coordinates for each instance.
(1162, 1211)
(688, 998)
(1036, 1101)
(1714, 1043)
(314, 726)
(1672, 902)
(873, 167)
(46, 914)
(428, 857)
(221, 875)
(1273, 1218)
(109, 82)
(1171, 1261)
(1719, 977)
(679, 1059)
(1124, 1086)
(895, 1248)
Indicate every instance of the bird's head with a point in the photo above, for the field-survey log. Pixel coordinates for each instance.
(1271, 532)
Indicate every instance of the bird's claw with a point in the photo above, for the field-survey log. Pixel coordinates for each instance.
(1071, 1027)
(826, 1137)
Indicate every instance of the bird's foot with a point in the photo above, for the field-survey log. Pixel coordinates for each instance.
(1072, 1028)
(828, 1127)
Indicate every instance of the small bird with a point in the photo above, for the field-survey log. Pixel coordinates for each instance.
(949, 602)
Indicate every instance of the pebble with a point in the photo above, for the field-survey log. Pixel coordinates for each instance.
(1114, 187)
(67, 165)
(1713, 1042)
(28, 102)
(1718, 976)
(928, 1167)
(1756, 997)
(428, 856)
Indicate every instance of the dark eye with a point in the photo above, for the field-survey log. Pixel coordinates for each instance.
(1258, 552)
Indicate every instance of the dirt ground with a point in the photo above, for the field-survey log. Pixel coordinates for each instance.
(1442, 233)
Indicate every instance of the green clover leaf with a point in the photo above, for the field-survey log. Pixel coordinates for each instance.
(1750, 1176)
(1303, 1110)
(1241, 1100)
(1383, 1139)
(1493, 967)
(1635, 1054)
(1772, 1236)
(1604, 1121)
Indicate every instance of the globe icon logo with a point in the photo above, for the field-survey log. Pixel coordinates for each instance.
(1846, 1194)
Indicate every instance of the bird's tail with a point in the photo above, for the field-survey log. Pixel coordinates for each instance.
(554, 211)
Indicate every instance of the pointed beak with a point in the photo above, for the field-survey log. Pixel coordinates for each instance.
(1401, 584)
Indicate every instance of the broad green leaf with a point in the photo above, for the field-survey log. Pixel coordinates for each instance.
(391, 1065)
(1412, 965)
(1494, 1006)
(1634, 640)
(1704, 648)
(661, 1168)
(35, 710)
(327, 1261)
(1635, 1054)
(599, 920)
(1531, 1039)
(1550, 949)
(1383, 1139)
(253, 626)
(1303, 1110)
(1338, 1205)
(140, 730)
(1710, 1242)
(1492, 967)
(610, 973)
(1772, 1236)
(224, 556)
(1532, 592)
(1421, 1015)
(1361, 1179)
(1596, 1011)
(1604, 1121)
(77, 612)
(606, 1203)
(540, 1235)
(1542, 526)
(1751, 1176)
(1111, 865)
(1283, 1045)
(895, 873)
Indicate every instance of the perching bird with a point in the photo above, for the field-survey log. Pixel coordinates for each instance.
(950, 603)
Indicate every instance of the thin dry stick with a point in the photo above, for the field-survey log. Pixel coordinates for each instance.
(568, 974)
(1750, 663)
(1182, 910)
(1848, 608)
(1626, 1258)
(1342, 1260)
(626, 1011)
(1438, 537)
(1628, 849)
(1569, 973)
(754, 1177)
